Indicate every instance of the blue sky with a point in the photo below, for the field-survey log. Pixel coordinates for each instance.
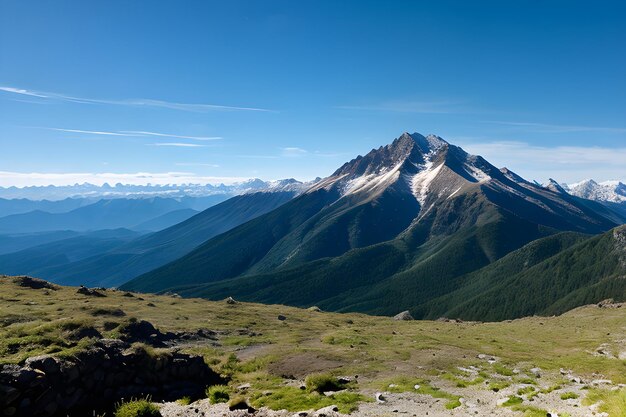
(170, 91)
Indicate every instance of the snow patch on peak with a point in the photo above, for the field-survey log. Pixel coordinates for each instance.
(421, 181)
(476, 173)
(435, 142)
(371, 181)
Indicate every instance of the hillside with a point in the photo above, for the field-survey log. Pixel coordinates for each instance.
(115, 266)
(103, 214)
(388, 231)
(40, 259)
(567, 364)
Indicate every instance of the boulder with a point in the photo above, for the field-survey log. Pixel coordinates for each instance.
(405, 315)
(89, 292)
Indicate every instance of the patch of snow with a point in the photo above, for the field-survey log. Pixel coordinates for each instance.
(371, 181)
(476, 173)
(421, 181)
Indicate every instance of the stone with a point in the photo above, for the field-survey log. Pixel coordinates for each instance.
(380, 398)
(45, 363)
(89, 292)
(405, 315)
(230, 300)
(281, 317)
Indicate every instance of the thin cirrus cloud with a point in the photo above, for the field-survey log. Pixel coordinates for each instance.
(293, 152)
(22, 179)
(410, 106)
(189, 107)
(563, 163)
(177, 144)
(134, 133)
(556, 128)
(196, 164)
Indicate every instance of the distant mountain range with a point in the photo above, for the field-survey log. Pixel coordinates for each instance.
(116, 263)
(103, 214)
(396, 229)
(95, 192)
(609, 191)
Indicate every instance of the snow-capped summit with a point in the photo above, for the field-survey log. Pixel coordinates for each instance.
(412, 163)
(609, 191)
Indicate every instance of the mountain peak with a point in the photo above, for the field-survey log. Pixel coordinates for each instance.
(552, 185)
(611, 191)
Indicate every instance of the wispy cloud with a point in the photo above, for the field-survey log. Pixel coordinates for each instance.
(178, 144)
(142, 102)
(557, 128)
(89, 132)
(410, 106)
(167, 135)
(22, 179)
(563, 163)
(134, 133)
(196, 164)
(22, 92)
(293, 152)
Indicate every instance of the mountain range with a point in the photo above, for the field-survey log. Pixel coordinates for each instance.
(51, 193)
(404, 225)
(418, 224)
(116, 263)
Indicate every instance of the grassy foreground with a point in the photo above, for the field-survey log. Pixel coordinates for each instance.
(275, 348)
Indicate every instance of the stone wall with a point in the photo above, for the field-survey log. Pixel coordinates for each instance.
(97, 378)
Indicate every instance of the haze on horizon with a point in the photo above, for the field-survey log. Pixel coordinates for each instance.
(150, 92)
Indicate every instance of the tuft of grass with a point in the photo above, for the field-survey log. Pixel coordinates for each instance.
(294, 399)
(496, 386)
(137, 408)
(526, 390)
(218, 394)
(502, 370)
(531, 411)
(184, 401)
(238, 402)
(322, 383)
(611, 402)
(551, 388)
(407, 384)
(513, 400)
(461, 382)
(569, 396)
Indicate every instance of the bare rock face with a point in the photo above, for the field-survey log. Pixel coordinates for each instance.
(405, 315)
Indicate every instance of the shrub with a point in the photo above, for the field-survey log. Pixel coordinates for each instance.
(218, 394)
(138, 408)
(322, 383)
